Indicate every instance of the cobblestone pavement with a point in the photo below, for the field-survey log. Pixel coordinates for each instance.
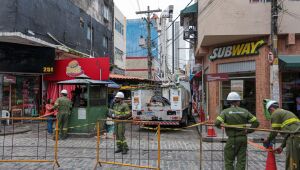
(179, 151)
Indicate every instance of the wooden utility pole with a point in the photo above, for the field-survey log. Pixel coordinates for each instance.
(149, 44)
(274, 70)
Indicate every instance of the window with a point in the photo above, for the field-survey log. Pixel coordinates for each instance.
(81, 22)
(119, 26)
(118, 54)
(89, 32)
(106, 13)
(105, 42)
(98, 95)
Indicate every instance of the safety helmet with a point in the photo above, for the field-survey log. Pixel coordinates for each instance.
(233, 96)
(64, 91)
(270, 103)
(120, 95)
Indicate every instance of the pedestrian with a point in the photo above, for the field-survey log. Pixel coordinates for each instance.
(285, 120)
(236, 145)
(120, 111)
(50, 113)
(64, 106)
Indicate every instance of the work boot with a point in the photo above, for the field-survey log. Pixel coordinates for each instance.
(118, 150)
(124, 151)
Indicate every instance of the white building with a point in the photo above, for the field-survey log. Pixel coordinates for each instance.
(119, 42)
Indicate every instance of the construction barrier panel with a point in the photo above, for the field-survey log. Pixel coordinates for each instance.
(143, 148)
(22, 135)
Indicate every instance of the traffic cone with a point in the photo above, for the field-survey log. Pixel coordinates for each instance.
(271, 161)
(211, 132)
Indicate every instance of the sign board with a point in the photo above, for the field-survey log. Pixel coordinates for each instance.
(217, 77)
(9, 79)
(242, 49)
(67, 69)
(81, 114)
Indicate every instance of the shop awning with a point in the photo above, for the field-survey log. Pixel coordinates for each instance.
(190, 9)
(113, 85)
(289, 61)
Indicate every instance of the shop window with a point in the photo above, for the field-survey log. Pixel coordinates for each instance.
(22, 96)
(290, 91)
(98, 95)
(245, 86)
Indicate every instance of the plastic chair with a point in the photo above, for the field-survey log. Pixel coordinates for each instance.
(5, 114)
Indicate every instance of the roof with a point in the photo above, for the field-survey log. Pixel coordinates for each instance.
(190, 9)
(289, 61)
(83, 81)
(122, 77)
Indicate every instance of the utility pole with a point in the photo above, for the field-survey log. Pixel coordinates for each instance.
(274, 70)
(173, 48)
(149, 44)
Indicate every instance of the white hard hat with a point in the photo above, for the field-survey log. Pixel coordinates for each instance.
(233, 96)
(64, 91)
(120, 95)
(270, 103)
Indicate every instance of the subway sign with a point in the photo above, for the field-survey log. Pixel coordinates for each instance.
(243, 49)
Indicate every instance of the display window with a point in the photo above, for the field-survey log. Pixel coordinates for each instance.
(21, 95)
(244, 84)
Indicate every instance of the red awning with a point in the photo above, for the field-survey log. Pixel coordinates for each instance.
(95, 68)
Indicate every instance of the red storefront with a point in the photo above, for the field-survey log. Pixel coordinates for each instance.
(67, 69)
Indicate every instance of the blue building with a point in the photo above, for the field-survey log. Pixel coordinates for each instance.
(134, 30)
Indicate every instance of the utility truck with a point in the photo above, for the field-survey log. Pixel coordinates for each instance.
(168, 104)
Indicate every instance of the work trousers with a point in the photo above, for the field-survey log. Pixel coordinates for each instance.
(293, 152)
(63, 119)
(120, 136)
(236, 147)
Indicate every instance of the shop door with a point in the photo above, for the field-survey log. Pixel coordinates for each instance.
(291, 91)
(245, 86)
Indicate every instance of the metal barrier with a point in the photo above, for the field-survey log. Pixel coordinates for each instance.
(139, 152)
(24, 135)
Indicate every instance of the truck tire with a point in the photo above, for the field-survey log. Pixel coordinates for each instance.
(184, 121)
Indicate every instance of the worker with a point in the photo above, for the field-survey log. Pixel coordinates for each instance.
(120, 111)
(63, 105)
(284, 120)
(236, 145)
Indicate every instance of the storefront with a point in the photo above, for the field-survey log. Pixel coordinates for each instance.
(68, 69)
(289, 66)
(22, 69)
(241, 67)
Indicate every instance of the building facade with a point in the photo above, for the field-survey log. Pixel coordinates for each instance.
(136, 51)
(119, 42)
(234, 54)
(35, 33)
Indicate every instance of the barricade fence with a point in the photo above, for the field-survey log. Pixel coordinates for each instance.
(35, 145)
(143, 147)
(26, 139)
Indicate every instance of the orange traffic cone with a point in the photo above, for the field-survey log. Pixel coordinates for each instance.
(211, 132)
(271, 161)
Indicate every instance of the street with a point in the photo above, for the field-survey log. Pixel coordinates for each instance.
(179, 150)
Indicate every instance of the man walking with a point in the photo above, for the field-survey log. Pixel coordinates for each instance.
(120, 111)
(285, 121)
(63, 105)
(236, 145)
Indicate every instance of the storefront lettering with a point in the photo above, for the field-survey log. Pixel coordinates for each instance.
(48, 70)
(244, 49)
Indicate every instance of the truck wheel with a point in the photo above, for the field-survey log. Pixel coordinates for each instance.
(184, 121)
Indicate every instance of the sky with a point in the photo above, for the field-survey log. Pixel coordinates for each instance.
(129, 7)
